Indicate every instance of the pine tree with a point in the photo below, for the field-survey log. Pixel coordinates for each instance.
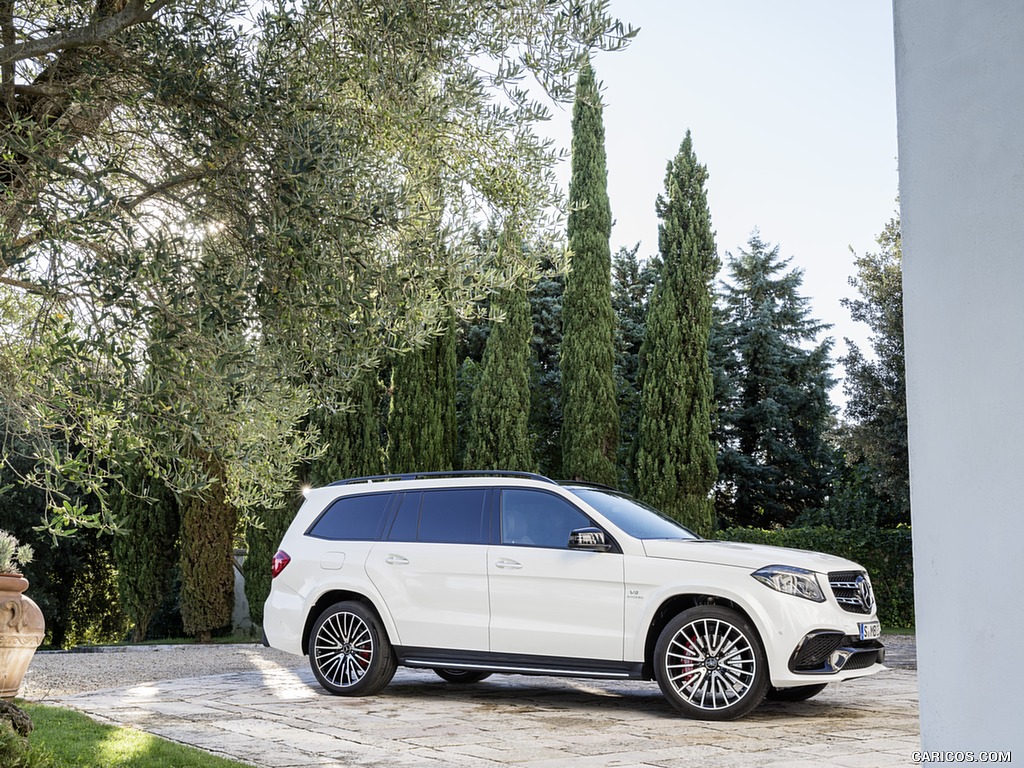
(546, 376)
(774, 462)
(146, 550)
(499, 436)
(590, 421)
(875, 432)
(633, 283)
(675, 457)
(421, 417)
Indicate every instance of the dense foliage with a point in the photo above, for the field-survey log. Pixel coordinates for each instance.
(875, 431)
(546, 374)
(238, 252)
(499, 435)
(421, 419)
(212, 223)
(295, 155)
(590, 422)
(73, 579)
(633, 282)
(146, 549)
(773, 378)
(675, 466)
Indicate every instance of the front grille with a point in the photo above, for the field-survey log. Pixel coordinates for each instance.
(853, 591)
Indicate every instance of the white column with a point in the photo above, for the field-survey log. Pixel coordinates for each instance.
(960, 107)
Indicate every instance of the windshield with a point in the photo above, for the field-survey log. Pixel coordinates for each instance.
(632, 516)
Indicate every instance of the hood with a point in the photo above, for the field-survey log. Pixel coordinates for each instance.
(752, 556)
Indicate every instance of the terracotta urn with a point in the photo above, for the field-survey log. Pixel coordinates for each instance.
(21, 631)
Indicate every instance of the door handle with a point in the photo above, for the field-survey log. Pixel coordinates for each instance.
(396, 560)
(511, 565)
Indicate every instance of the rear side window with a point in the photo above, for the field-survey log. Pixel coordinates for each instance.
(454, 516)
(352, 518)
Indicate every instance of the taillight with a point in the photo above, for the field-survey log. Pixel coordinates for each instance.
(279, 561)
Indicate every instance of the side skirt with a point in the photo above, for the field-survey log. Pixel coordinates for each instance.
(518, 664)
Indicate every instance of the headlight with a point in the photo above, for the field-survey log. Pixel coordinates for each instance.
(791, 581)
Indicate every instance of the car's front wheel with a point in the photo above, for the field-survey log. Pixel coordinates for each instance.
(461, 676)
(710, 664)
(349, 651)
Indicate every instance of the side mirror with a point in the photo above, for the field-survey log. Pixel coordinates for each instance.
(589, 540)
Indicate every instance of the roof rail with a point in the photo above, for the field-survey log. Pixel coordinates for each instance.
(585, 484)
(461, 473)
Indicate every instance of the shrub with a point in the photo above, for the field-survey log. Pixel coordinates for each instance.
(885, 553)
(72, 577)
(15, 750)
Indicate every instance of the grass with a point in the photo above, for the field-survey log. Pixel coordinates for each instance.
(242, 637)
(73, 740)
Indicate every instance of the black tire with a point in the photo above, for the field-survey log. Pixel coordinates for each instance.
(461, 676)
(799, 693)
(710, 664)
(349, 651)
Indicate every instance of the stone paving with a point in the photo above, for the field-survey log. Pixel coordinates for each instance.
(280, 718)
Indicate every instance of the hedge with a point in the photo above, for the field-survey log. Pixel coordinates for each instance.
(885, 553)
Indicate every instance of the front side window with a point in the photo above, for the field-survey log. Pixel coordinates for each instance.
(352, 518)
(538, 519)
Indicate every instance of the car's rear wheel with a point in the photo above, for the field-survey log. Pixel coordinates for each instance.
(799, 693)
(349, 651)
(461, 676)
(710, 664)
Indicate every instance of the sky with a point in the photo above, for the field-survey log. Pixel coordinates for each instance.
(791, 106)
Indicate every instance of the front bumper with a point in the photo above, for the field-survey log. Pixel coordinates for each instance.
(829, 653)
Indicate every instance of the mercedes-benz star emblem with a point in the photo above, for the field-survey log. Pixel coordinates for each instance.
(867, 599)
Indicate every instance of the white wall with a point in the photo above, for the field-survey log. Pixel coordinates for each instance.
(960, 108)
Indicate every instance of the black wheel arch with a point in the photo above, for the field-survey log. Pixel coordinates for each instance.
(325, 601)
(672, 607)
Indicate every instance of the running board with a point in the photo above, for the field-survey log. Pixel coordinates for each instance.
(518, 664)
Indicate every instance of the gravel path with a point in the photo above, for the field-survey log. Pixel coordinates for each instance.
(60, 673)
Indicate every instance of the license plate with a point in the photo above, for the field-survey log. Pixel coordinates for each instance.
(870, 630)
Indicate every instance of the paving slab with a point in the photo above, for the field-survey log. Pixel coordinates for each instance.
(279, 717)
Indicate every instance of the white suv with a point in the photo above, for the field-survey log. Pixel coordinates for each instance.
(470, 574)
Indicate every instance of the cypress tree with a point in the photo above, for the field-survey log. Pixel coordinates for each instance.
(351, 437)
(499, 435)
(675, 457)
(875, 432)
(421, 416)
(590, 421)
(775, 463)
(207, 568)
(146, 551)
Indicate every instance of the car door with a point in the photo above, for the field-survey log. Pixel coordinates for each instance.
(546, 599)
(431, 569)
